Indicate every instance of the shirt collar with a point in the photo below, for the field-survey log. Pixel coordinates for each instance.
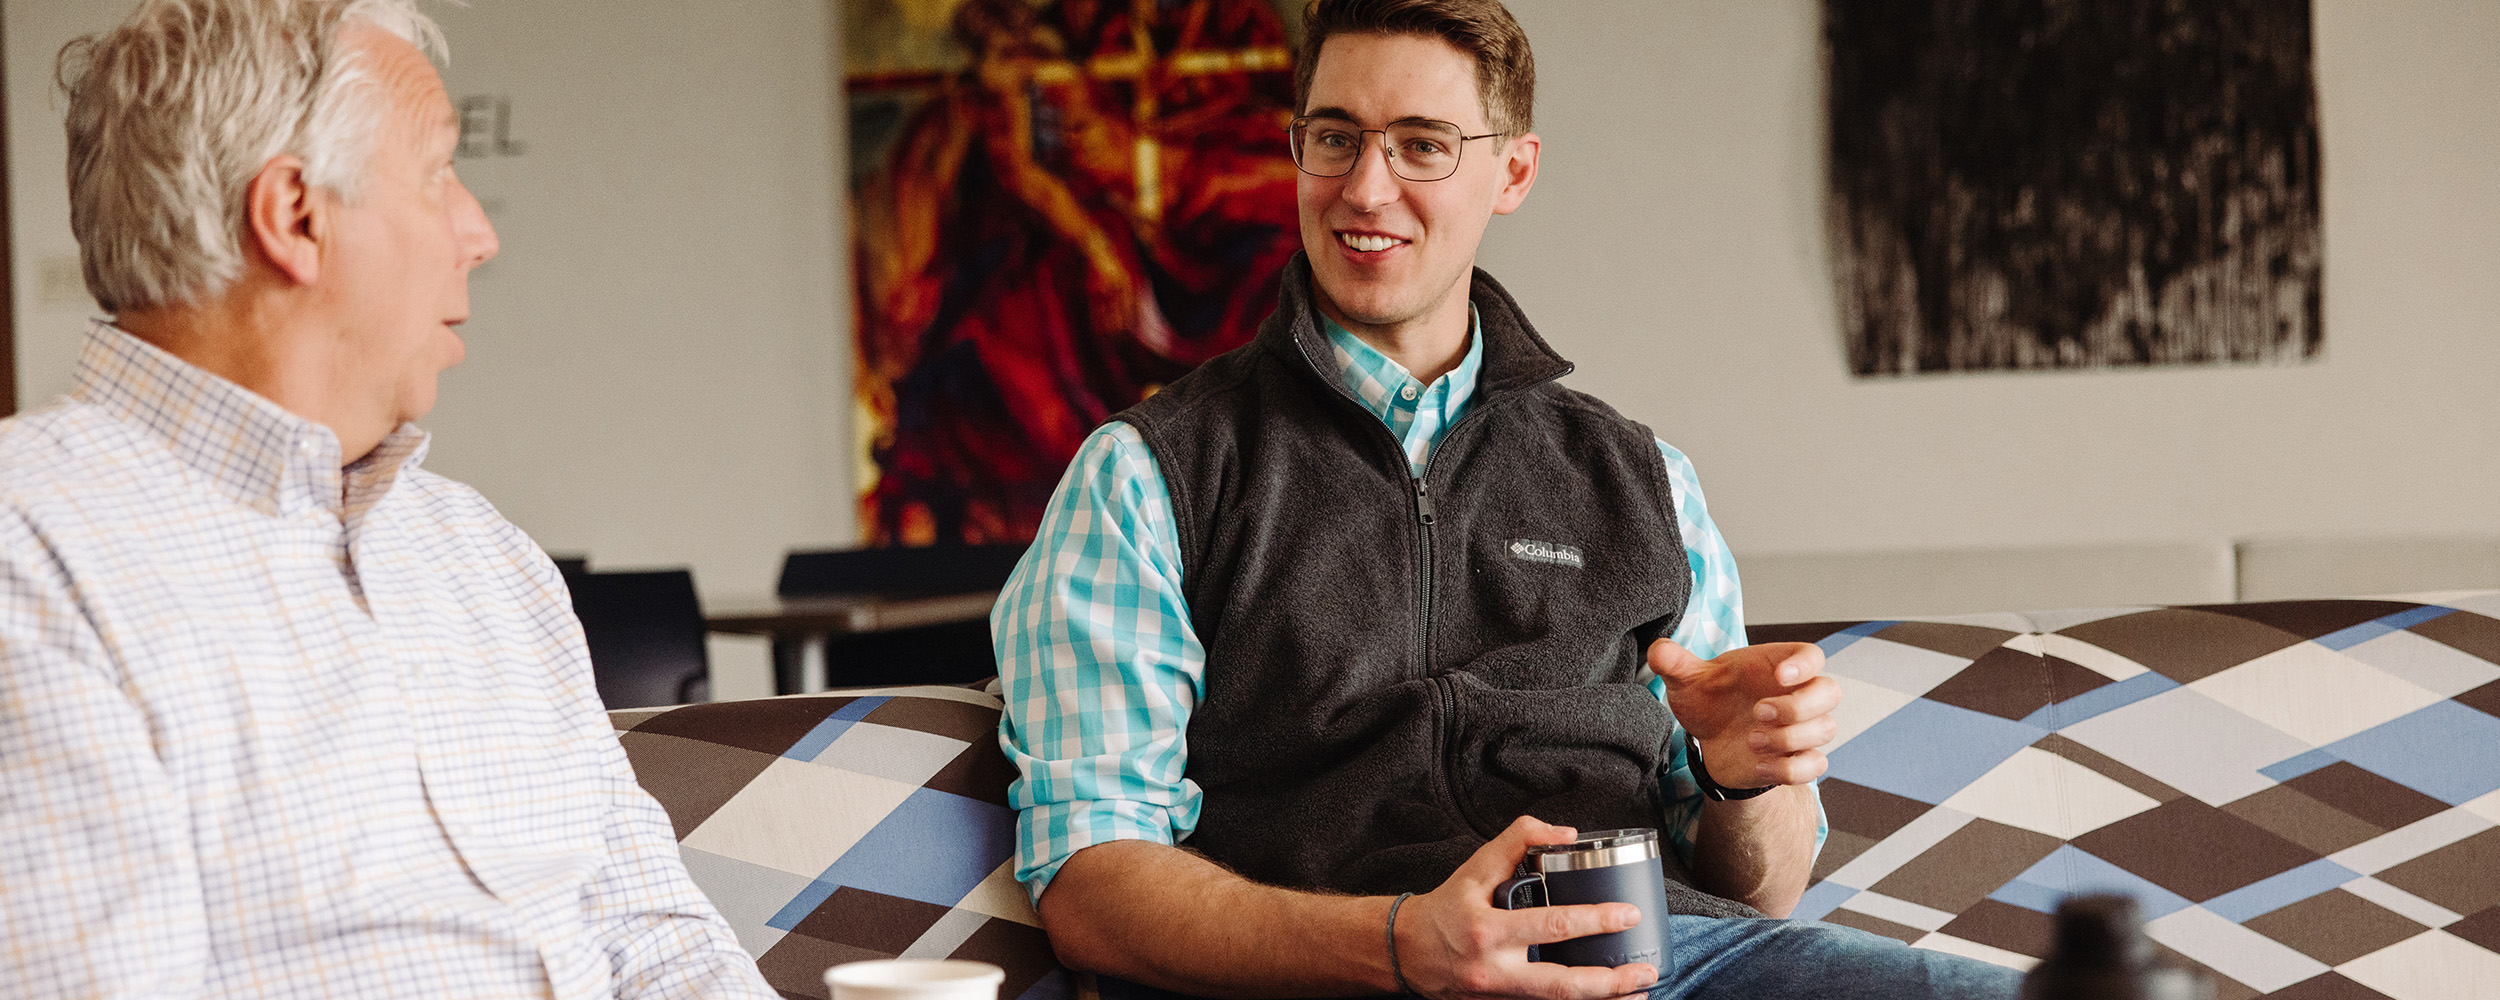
(1376, 381)
(240, 444)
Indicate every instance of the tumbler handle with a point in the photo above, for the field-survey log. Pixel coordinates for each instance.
(1509, 895)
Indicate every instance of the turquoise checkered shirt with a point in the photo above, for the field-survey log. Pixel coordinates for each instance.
(1101, 667)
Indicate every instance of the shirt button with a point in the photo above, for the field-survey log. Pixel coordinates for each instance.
(1407, 393)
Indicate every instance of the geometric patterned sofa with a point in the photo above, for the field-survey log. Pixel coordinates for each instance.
(2303, 796)
(849, 825)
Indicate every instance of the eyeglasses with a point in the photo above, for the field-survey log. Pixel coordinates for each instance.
(1419, 149)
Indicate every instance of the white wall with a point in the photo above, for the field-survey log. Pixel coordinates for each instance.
(51, 302)
(659, 364)
(1674, 248)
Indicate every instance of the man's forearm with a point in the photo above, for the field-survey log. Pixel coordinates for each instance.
(1167, 918)
(1758, 851)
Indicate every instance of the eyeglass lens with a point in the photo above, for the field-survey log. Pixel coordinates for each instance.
(1418, 150)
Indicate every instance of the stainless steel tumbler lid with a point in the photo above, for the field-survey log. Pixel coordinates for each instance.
(1601, 849)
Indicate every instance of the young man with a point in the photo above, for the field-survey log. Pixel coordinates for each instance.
(281, 713)
(1362, 608)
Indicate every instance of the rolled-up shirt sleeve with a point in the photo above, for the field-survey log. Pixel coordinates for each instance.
(1098, 665)
(1713, 623)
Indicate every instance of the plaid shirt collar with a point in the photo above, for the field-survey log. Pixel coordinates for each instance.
(1383, 386)
(245, 447)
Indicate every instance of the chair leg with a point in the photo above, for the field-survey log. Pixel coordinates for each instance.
(789, 652)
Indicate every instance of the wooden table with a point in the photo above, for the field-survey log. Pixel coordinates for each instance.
(800, 626)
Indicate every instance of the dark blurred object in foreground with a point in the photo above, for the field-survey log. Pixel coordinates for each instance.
(2101, 953)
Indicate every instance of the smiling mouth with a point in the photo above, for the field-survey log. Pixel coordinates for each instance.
(1368, 243)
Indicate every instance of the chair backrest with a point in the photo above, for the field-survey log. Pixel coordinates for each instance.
(948, 653)
(645, 631)
(935, 569)
(931, 654)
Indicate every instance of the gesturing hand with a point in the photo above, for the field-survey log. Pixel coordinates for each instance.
(1454, 944)
(1761, 714)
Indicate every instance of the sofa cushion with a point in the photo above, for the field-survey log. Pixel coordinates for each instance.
(2302, 795)
(849, 825)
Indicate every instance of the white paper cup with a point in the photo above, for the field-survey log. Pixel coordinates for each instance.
(915, 979)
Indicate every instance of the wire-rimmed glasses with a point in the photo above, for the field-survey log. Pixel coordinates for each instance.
(1420, 149)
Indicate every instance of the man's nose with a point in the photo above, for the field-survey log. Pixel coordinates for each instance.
(472, 233)
(1371, 183)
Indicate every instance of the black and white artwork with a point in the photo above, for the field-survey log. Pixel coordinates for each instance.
(2047, 184)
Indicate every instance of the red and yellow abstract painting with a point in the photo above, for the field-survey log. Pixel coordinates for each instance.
(1057, 208)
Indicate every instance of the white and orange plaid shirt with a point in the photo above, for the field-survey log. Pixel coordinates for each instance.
(274, 728)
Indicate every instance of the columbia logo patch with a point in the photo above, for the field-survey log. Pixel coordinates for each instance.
(1531, 550)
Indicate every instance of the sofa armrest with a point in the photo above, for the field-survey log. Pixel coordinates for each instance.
(849, 825)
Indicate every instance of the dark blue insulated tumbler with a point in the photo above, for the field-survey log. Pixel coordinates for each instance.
(1608, 866)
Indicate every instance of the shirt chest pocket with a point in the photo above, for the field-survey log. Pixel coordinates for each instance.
(519, 782)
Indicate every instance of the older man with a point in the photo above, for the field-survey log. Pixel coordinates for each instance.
(281, 713)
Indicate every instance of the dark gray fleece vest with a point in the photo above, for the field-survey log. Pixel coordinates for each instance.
(1399, 666)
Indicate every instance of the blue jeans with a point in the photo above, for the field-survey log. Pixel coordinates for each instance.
(1731, 958)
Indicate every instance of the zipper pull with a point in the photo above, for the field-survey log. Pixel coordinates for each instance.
(1423, 503)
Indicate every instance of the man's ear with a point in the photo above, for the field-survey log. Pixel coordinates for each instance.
(287, 218)
(1518, 172)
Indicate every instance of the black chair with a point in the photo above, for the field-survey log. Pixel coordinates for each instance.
(952, 653)
(948, 653)
(646, 637)
(905, 571)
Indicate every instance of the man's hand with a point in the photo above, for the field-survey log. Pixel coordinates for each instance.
(1453, 943)
(1761, 714)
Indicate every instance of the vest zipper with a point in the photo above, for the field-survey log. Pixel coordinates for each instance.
(1423, 580)
(1423, 500)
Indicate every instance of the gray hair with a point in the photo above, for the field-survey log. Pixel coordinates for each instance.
(173, 113)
